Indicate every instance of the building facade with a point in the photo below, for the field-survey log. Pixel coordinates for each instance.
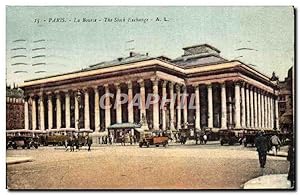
(285, 102)
(225, 94)
(14, 108)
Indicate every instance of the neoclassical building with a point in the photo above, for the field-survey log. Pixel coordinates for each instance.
(228, 94)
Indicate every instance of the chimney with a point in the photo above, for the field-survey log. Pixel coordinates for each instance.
(131, 54)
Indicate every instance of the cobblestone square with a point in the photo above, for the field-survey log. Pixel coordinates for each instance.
(117, 167)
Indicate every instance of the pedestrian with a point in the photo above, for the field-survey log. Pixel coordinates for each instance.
(77, 144)
(134, 139)
(291, 159)
(111, 138)
(261, 143)
(122, 139)
(205, 138)
(201, 138)
(130, 139)
(196, 137)
(66, 144)
(71, 144)
(275, 144)
(89, 142)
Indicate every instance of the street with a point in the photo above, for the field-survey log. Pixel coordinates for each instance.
(117, 167)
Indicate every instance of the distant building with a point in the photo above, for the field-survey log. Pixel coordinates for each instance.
(285, 102)
(14, 108)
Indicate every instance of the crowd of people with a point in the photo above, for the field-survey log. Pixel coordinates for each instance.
(73, 143)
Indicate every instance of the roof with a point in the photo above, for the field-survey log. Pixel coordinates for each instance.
(199, 59)
(133, 57)
(15, 92)
(202, 45)
(124, 126)
(137, 57)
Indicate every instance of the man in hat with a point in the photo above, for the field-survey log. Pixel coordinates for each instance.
(261, 143)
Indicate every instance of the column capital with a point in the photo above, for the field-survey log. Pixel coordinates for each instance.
(26, 98)
(66, 91)
(85, 89)
(171, 84)
(56, 92)
(49, 93)
(178, 87)
(247, 85)
(223, 84)
(96, 89)
(251, 87)
(31, 95)
(41, 94)
(196, 86)
(164, 85)
(209, 85)
(40, 100)
(117, 85)
(129, 84)
(260, 91)
(141, 82)
(238, 82)
(154, 80)
(243, 84)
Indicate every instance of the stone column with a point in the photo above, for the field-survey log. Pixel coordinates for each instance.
(118, 103)
(223, 107)
(97, 110)
(155, 104)
(259, 108)
(50, 111)
(33, 112)
(76, 101)
(172, 112)
(272, 111)
(237, 95)
(267, 112)
(247, 107)
(251, 107)
(86, 109)
(263, 111)
(26, 114)
(67, 110)
(210, 105)
(107, 107)
(185, 107)
(42, 112)
(178, 107)
(58, 110)
(276, 114)
(142, 102)
(197, 102)
(255, 108)
(164, 97)
(243, 107)
(130, 103)
(230, 120)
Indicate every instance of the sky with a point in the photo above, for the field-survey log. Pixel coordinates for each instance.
(72, 44)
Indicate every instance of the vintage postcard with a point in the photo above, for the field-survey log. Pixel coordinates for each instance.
(144, 98)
